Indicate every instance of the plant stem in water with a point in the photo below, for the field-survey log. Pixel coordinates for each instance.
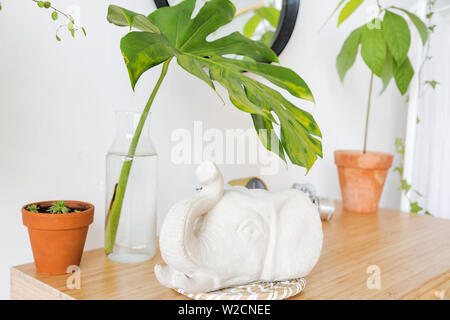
(114, 215)
(368, 113)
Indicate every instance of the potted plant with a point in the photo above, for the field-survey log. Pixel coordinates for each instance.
(176, 34)
(57, 231)
(385, 42)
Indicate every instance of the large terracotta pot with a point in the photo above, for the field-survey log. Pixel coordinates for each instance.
(57, 240)
(362, 177)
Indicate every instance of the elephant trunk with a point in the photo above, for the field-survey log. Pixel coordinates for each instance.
(177, 237)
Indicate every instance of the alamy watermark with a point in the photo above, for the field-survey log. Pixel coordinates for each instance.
(74, 280)
(229, 146)
(374, 280)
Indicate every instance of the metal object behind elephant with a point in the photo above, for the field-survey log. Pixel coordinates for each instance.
(249, 183)
(325, 205)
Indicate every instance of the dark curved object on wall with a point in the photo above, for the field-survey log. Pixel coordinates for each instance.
(286, 24)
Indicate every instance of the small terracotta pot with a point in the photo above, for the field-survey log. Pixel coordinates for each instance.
(362, 177)
(57, 240)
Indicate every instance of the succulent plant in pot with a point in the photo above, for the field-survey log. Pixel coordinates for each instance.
(385, 42)
(57, 231)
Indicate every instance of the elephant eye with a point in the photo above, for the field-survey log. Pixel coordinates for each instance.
(249, 230)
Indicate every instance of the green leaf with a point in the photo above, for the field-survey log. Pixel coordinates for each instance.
(414, 207)
(387, 72)
(84, 31)
(418, 23)
(267, 38)
(399, 146)
(55, 15)
(71, 28)
(144, 50)
(341, 2)
(399, 170)
(405, 186)
(123, 17)
(268, 136)
(176, 33)
(58, 207)
(347, 55)
(397, 36)
(33, 208)
(40, 4)
(282, 77)
(250, 26)
(58, 38)
(432, 83)
(427, 213)
(271, 14)
(403, 75)
(373, 48)
(348, 9)
(47, 4)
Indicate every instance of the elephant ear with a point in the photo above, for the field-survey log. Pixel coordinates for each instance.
(172, 32)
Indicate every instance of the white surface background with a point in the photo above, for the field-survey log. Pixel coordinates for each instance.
(57, 103)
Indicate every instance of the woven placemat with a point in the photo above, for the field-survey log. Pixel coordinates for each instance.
(276, 290)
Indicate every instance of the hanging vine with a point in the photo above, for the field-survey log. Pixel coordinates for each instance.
(55, 14)
(405, 187)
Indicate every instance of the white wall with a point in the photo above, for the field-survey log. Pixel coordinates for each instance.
(57, 103)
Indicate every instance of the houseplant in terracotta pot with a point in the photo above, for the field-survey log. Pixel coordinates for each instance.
(57, 231)
(385, 42)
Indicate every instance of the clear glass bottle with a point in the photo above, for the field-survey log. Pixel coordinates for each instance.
(135, 239)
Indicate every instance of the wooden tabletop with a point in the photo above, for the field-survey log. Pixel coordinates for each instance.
(410, 251)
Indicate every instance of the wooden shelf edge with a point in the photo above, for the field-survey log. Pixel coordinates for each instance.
(26, 287)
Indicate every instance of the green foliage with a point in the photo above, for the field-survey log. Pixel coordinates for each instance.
(397, 35)
(267, 38)
(432, 83)
(385, 44)
(349, 51)
(399, 146)
(33, 208)
(418, 23)
(250, 26)
(399, 170)
(271, 15)
(58, 207)
(348, 9)
(403, 75)
(171, 33)
(71, 26)
(405, 187)
(415, 208)
(373, 48)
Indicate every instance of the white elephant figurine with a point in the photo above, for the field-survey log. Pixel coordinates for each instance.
(221, 238)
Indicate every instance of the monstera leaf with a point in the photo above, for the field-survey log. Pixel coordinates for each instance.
(172, 33)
